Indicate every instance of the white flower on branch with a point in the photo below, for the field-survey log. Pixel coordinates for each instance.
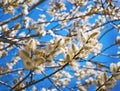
(75, 48)
(34, 88)
(97, 49)
(25, 9)
(110, 84)
(44, 89)
(27, 61)
(113, 68)
(51, 33)
(27, 22)
(94, 34)
(117, 42)
(10, 9)
(74, 65)
(22, 34)
(118, 64)
(31, 45)
(4, 2)
(81, 88)
(39, 69)
(80, 74)
(9, 65)
(5, 27)
(17, 26)
(117, 75)
(90, 81)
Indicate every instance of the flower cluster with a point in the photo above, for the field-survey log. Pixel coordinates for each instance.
(62, 78)
(9, 6)
(32, 58)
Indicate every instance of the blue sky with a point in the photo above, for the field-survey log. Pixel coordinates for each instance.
(107, 40)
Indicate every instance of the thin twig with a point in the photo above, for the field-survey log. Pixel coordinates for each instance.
(104, 83)
(21, 14)
(52, 82)
(16, 70)
(5, 84)
(20, 81)
(43, 77)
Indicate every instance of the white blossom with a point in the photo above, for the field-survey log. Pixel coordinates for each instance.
(113, 68)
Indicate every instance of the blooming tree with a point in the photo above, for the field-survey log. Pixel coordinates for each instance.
(58, 41)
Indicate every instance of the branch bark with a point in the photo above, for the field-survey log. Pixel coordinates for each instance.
(20, 15)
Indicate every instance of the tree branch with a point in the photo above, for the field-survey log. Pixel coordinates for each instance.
(21, 14)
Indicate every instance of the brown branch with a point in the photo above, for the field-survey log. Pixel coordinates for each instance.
(21, 14)
(43, 77)
(103, 51)
(4, 73)
(5, 84)
(105, 33)
(20, 81)
(52, 82)
(104, 83)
